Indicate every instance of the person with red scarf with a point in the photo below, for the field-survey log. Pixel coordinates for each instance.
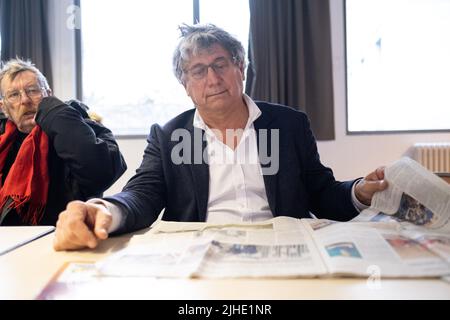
(50, 152)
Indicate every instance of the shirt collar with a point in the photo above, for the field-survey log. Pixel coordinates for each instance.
(253, 113)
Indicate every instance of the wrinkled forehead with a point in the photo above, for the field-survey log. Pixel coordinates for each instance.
(18, 80)
(206, 55)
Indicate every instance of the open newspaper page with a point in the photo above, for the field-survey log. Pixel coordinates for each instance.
(285, 251)
(360, 249)
(414, 197)
(178, 255)
(279, 247)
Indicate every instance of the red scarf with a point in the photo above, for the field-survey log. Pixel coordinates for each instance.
(27, 180)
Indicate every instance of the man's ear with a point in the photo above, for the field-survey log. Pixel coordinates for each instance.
(49, 92)
(242, 69)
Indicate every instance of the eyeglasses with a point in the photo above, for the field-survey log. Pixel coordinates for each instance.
(220, 67)
(33, 92)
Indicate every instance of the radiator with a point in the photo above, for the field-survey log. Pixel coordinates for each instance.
(433, 156)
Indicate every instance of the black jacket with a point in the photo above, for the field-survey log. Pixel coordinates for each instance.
(301, 185)
(84, 158)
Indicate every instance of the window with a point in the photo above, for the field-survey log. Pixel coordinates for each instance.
(231, 15)
(398, 66)
(127, 57)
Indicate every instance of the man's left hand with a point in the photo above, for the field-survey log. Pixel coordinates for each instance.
(373, 182)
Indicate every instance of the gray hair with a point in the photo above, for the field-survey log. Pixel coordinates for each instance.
(200, 37)
(13, 67)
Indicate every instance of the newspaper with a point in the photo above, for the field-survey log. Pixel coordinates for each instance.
(220, 251)
(415, 197)
(287, 248)
(376, 247)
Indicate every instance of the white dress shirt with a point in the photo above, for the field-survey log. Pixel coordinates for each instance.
(236, 185)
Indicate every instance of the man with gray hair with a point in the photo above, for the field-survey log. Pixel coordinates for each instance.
(51, 153)
(230, 159)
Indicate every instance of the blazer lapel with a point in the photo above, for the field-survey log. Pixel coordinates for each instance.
(270, 181)
(200, 172)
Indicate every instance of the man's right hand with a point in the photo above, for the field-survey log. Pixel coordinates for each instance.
(81, 225)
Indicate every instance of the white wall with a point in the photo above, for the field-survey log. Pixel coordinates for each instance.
(349, 156)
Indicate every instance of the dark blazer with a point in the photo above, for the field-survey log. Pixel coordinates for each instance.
(301, 185)
(83, 161)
